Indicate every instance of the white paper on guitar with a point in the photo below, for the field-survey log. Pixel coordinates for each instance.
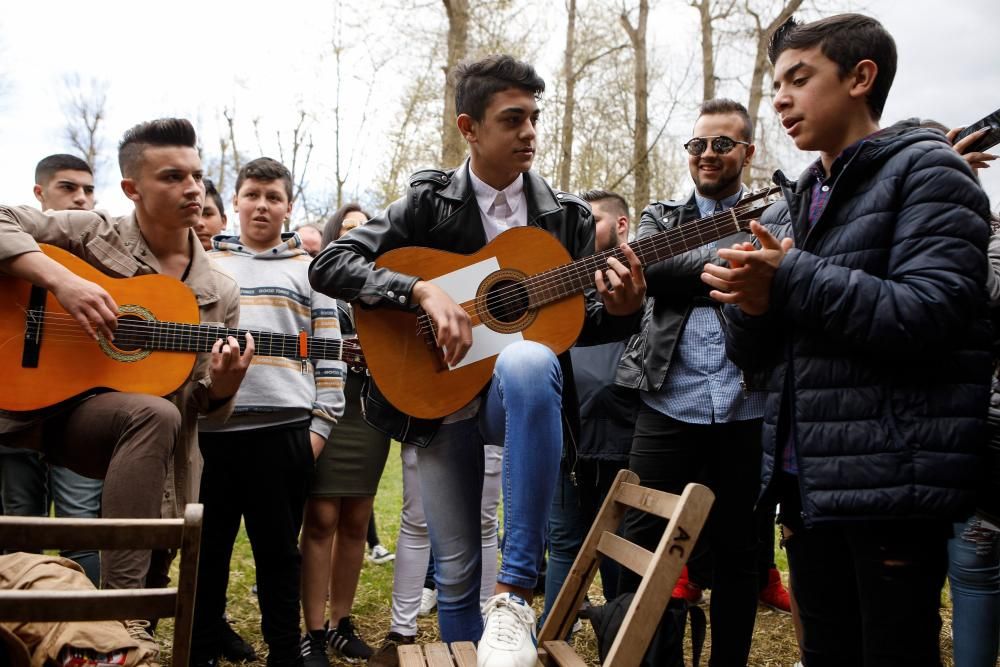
(462, 285)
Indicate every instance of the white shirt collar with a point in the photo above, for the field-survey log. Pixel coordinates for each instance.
(487, 194)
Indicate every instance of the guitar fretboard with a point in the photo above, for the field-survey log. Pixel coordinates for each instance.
(138, 333)
(568, 279)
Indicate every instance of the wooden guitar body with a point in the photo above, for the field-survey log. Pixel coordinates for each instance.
(69, 362)
(407, 365)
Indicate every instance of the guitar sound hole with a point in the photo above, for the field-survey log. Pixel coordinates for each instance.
(130, 335)
(507, 301)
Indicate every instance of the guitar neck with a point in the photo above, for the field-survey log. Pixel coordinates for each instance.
(569, 279)
(180, 337)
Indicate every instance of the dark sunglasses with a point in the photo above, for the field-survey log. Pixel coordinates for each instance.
(720, 145)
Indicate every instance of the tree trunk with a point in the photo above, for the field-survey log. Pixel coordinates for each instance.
(452, 143)
(640, 147)
(707, 50)
(566, 156)
(760, 61)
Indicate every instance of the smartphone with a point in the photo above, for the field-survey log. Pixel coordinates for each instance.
(988, 140)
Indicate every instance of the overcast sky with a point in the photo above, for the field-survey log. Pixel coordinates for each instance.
(191, 59)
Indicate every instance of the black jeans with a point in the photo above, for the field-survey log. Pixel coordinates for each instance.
(667, 454)
(263, 476)
(868, 592)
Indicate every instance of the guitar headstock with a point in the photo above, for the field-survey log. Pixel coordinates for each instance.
(753, 205)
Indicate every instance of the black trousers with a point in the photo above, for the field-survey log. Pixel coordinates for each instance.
(667, 454)
(868, 592)
(262, 476)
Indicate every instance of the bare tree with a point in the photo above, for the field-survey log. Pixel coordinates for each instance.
(452, 145)
(575, 64)
(761, 34)
(640, 146)
(84, 108)
(710, 14)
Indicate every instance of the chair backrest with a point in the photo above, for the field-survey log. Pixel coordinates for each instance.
(35, 533)
(659, 570)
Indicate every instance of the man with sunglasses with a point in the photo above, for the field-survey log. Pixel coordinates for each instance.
(697, 422)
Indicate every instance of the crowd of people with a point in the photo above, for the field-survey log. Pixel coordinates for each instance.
(828, 370)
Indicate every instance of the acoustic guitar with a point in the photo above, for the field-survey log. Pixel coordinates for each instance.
(523, 285)
(47, 357)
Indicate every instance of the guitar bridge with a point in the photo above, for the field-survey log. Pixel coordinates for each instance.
(34, 327)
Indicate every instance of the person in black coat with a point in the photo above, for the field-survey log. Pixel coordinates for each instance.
(867, 324)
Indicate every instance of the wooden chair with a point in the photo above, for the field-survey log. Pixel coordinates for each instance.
(659, 569)
(31, 533)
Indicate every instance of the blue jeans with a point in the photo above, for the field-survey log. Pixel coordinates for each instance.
(29, 484)
(574, 509)
(522, 411)
(974, 575)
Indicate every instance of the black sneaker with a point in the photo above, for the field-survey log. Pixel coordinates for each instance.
(387, 654)
(345, 641)
(233, 647)
(312, 649)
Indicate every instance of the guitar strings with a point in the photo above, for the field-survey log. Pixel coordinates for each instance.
(64, 328)
(715, 223)
(666, 240)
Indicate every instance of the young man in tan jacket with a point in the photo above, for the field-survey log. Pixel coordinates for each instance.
(131, 440)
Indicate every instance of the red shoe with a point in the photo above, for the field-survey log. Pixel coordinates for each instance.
(775, 595)
(686, 590)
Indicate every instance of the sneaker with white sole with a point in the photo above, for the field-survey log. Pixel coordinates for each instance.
(509, 638)
(428, 601)
(346, 643)
(380, 555)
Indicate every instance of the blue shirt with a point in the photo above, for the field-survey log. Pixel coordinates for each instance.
(702, 385)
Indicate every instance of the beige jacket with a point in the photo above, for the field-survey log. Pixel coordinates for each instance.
(116, 247)
(44, 641)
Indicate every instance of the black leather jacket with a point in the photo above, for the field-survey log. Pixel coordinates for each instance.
(440, 211)
(673, 288)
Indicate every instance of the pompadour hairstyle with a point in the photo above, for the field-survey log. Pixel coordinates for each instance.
(213, 192)
(48, 166)
(265, 169)
(160, 132)
(722, 105)
(596, 195)
(477, 82)
(331, 230)
(846, 39)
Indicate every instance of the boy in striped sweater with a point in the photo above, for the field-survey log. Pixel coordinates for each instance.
(258, 464)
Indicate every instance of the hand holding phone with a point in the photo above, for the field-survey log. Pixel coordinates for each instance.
(988, 140)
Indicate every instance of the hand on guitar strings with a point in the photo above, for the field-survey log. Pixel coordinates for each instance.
(89, 304)
(746, 282)
(453, 327)
(228, 366)
(622, 288)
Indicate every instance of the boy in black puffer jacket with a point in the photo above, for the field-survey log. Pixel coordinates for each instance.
(868, 326)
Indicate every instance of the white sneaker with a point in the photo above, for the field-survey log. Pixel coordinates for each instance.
(428, 601)
(380, 555)
(509, 635)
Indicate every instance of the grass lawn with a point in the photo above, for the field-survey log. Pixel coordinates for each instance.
(773, 640)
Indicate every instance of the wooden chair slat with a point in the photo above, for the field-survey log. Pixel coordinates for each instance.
(660, 503)
(48, 605)
(26, 534)
(464, 654)
(437, 655)
(563, 655)
(625, 553)
(411, 656)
